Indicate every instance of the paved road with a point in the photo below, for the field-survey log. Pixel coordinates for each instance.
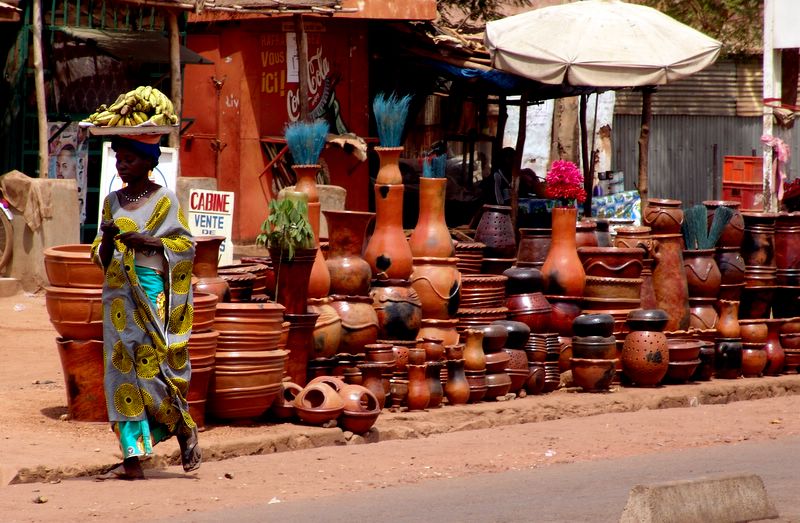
(581, 492)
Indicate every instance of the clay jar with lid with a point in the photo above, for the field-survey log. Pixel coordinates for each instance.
(645, 353)
(663, 216)
(496, 231)
(437, 282)
(398, 307)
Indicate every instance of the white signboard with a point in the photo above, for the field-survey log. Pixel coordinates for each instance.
(786, 20)
(210, 213)
(165, 174)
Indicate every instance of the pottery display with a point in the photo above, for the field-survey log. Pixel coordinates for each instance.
(518, 333)
(318, 404)
(433, 347)
(245, 384)
(441, 329)
(593, 325)
(372, 379)
(593, 375)
(259, 270)
(562, 271)
(786, 303)
(600, 287)
(564, 311)
(72, 266)
(419, 394)
(479, 291)
(206, 263)
(754, 359)
(477, 385)
(494, 337)
(431, 237)
(703, 276)
(585, 233)
(681, 371)
(437, 282)
(702, 314)
(753, 331)
(775, 353)
(733, 233)
(531, 309)
(634, 237)
(359, 322)
(240, 286)
(387, 251)
(474, 357)
(594, 347)
(496, 231)
(645, 353)
(82, 364)
(398, 390)
(523, 280)
(470, 257)
(398, 308)
(497, 385)
(350, 274)
(663, 216)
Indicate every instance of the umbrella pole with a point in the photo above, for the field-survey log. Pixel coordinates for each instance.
(644, 142)
(587, 175)
(521, 135)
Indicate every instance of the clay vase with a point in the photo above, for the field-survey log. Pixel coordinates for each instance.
(327, 329)
(419, 395)
(703, 277)
(733, 233)
(496, 231)
(292, 292)
(787, 241)
(663, 216)
(474, 357)
(206, 262)
(389, 170)
(457, 387)
(758, 245)
(350, 273)
(372, 380)
(433, 375)
(669, 280)
(398, 307)
(585, 234)
(728, 322)
(431, 237)
(702, 314)
(437, 282)
(433, 347)
(359, 322)
(300, 345)
(387, 250)
(534, 244)
(562, 271)
(645, 353)
(754, 359)
(776, 356)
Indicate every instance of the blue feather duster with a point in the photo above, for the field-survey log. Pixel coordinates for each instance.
(434, 166)
(306, 140)
(390, 115)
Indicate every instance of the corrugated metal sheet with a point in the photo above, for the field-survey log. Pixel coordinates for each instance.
(683, 161)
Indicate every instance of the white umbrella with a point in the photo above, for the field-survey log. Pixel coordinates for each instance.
(601, 43)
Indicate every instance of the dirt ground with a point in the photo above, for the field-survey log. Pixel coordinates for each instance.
(32, 400)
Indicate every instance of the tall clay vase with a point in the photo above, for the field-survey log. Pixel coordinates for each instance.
(300, 345)
(456, 389)
(728, 322)
(389, 170)
(474, 357)
(431, 237)
(776, 356)
(702, 274)
(419, 394)
(433, 370)
(292, 277)
(350, 273)
(319, 282)
(206, 263)
(562, 271)
(387, 251)
(669, 280)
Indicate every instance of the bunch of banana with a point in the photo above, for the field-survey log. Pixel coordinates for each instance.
(143, 104)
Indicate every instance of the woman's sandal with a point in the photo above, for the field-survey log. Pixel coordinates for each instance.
(191, 457)
(122, 471)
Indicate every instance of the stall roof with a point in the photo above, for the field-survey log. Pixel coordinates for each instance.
(221, 10)
(140, 47)
(9, 11)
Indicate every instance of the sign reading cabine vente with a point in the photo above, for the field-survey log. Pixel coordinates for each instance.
(210, 213)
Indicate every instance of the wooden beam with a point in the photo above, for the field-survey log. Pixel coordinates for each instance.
(302, 64)
(176, 91)
(521, 135)
(41, 103)
(585, 160)
(644, 143)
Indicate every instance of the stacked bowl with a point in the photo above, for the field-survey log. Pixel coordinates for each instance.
(594, 352)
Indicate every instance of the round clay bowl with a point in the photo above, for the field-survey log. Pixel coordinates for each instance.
(611, 262)
(593, 325)
(790, 341)
(317, 416)
(754, 359)
(76, 313)
(594, 347)
(497, 361)
(601, 287)
(497, 384)
(358, 399)
(683, 350)
(518, 333)
(593, 375)
(611, 303)
(494, 337)
(647, 320)
(72, 266)
(358, 422)
(753, 331)
(681, 371)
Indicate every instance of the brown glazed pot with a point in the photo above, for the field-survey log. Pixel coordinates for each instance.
(82, 363)
(562, 271)
(758, 245)
(669, 280)
(593, 375)
(328, 327)
(728, 358)
(437, 282)
(534, 244)
(564, 311)
(206, 262)
(72, 266)
(431, 237)
(702, 274)
(398, 307)
(359, 322)
(754, 359)
(291, 276)
(611, 262)
(634, 237)
(456, 388)
(350, 274)
(474, 357)
(433, 347)
(753, 331)
(387, 250)
(645, 353)
(585, 233)
(702, 314)
(731, 265)
(663, 216)
(733, 233)
(496, 231)
(787, 241)
(419, 394)
(775, 353)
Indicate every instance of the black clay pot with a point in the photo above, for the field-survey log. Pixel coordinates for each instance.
(647, 320)
(523, 280)
(518, 333)
(593, 325)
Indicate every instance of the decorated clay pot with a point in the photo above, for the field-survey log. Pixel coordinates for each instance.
(437, 282)
(731, 265)
(645, 353)
(534, 244)
(611, 262)
(398, 307)
(663, 216)
(359, 322)
(703, 277)
(585, 233)
(328, 327)
(634, 237)
(431, 237)
(441, 329)
(562, 270)
(389, 170)
(733, 233)
(387, 250)
(702, 314)
(350, 274)
(496, 231)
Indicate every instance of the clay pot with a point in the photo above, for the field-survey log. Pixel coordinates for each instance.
(534, 244)
(787, 245)
(496, 362)
(600, 287)
(531, 309)
(669, 280)
(319, 281)
(474, 357)
(82, 363)
(359, 322)
(705, 370)
(494, 337)
(593, 375)
(663, 216)
(454, 352)
(318, 404)
(389, 170)
(205, 309)
(645, 353)
(437, 282)
(398, 308)
(496, 231)
(518, 333)
(733, 233)
(648, 292)
(398, 389)
(433, 347)
(387, 250)
(457, 388)
(300, 344)
(282, 407)
(683, 349)
(634, 237)
(497, 385)
(562, 270)
(206, 262)
(257, 269)
(202, 356)
(373, 379)
(245, 384)
(442, 329)
(358, 422)
(379, 353)
(431, 237)
(267, 274)
(753, 331)
(419, 393)
(350, 274)
(470, 257)
(593, 325)
(731, 292)
(233, 318)
(728, 358)
(327, 329)
(292, 277)
(758, 245)
(681, 371)
(535, 382)
(594, 347)
(477, 385)
(240, 286)
(585, 233)
(72, 266)
(702, 274)
(754, 359)
(702, 314)
(76, 313)
(435, 389)
(417, 356)
(523, 280)
(775, 353)
(756, 302)
(564, 311)
(358, 398)
(731, 265)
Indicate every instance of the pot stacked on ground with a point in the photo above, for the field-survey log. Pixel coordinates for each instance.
(202, 354)
(760, 275)
(787, 261)
(594, 352)
(496, 231)
(75, 306)
(645, 352)
(327, 398)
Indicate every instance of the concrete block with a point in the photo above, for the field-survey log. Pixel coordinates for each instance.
(719, 499)
(9, 287)
(185, 184)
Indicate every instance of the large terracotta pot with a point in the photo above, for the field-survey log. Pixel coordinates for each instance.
(437, 282)
(702, 314)
(731, 265)
(562, 271)
(389, 170)
(300, 345)
(202, 356)
(496, 231)
(398, 307)
(663, 216)
(758, 245)
(387, 250)
(431, 237)
(787, 241)
(291, 275)
(244, 385)
(645, 353)
(703, 277)
(669, 280)
(350, 273)
(634, 237)
(534, 244)
(72, 266)
(206, 262)
(775, 354)
(733, 233)
(359, 322)
(76, 313)
(82, 363)
(327, 329)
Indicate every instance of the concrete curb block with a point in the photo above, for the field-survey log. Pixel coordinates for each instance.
(718, 499)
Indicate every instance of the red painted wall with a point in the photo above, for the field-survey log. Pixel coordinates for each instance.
(256, 99)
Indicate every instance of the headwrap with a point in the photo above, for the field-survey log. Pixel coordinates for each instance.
(140, 146)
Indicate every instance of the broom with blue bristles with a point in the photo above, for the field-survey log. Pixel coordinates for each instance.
(306, 140)
(390, 115)
(434, 166)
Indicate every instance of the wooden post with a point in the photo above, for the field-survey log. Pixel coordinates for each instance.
(41, 103)
(176, 92)
(497, 144)
(588, 178)
(302, 64)
(521, 135)
(644, 142)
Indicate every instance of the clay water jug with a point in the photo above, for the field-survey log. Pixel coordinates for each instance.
(350, 274)
(728, 322)
(457, 387)
(206, 263)
(474, 357)
(387, 250)
(563, 272)
(419, 393)
(431, 237)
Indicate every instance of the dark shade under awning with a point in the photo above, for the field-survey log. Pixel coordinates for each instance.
(141, 46)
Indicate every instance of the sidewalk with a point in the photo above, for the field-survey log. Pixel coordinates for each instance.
(40, 446)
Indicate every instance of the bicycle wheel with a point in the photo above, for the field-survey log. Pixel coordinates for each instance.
(6, 242)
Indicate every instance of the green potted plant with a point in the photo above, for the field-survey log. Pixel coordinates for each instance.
(288, 236)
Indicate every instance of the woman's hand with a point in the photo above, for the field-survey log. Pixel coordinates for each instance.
(140, 242)
(109, 228)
